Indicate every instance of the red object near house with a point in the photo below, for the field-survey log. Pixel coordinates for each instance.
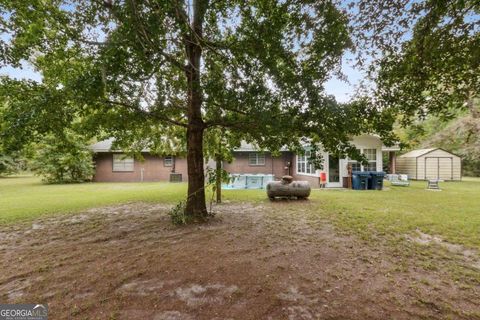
(323, 177)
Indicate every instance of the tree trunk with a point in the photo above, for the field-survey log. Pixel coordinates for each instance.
(218, 178)
(474, 110)
(196, 207)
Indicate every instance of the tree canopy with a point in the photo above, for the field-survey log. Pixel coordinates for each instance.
(153, 72)
(175, 74)
(426, 54)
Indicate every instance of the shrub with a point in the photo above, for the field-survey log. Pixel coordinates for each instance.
(64, 159)
(7, 164)
(177, 214)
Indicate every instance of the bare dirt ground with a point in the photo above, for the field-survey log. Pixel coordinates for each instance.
(269, 261)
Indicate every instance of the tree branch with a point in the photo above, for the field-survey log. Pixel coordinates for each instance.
(145, 113)
(143, 35)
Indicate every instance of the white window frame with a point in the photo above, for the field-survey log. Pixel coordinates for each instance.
(122, 163)
(303, 162)
(256, 159)
(168, 161)
(355, 163)
(370, 161)
(371, 157)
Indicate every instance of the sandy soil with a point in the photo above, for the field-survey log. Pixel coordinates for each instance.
(269, 261)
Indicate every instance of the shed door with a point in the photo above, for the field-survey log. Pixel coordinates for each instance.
(438, 168)
(431, 168)
(445, 168)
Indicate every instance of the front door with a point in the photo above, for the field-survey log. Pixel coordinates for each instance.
(333, 171)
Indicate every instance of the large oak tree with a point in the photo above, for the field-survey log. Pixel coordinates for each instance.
(164, 73)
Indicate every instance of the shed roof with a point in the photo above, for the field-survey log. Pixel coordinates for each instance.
(418, 153)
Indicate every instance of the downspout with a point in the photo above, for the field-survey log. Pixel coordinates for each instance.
(271, 156)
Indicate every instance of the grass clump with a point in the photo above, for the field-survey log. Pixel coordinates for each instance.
(177, 214)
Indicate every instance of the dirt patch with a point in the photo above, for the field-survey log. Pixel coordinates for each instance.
(269, 261)
(196, 294)
(470, 256)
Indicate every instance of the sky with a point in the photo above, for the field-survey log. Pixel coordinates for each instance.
(338, 88)
(343, 90)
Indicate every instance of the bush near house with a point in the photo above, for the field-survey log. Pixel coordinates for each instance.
(7, 164)
(63, 160)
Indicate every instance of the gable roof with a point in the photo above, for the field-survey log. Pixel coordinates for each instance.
(245, 147)
(417, 153)
(106, 146)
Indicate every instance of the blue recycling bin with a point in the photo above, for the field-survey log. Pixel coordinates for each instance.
(360, 180)
(376, 180)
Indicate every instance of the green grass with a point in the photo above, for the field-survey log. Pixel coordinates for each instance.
(453, 213)
(25, 198)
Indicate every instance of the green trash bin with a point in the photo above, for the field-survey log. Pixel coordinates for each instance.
(360, 180)
(376, 180)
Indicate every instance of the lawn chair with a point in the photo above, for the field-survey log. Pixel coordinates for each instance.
(400, 180)
(432, 184)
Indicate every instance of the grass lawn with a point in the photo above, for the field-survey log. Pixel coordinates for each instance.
(453, 213)
(26, 197)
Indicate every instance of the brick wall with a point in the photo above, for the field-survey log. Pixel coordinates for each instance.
(273, 165)
(153, 169)
(313, 180)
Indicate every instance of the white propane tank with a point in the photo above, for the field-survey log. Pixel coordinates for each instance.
(288, 188)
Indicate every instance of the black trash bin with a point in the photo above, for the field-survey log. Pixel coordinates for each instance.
(360, 180)
(376, 180)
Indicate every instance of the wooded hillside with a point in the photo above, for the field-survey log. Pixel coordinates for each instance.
(460, 135)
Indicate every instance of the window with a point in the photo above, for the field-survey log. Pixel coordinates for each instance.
(256, 159)
(355, 165)
(371, 155)
(168, 161)
(304, 165)
(121, 162)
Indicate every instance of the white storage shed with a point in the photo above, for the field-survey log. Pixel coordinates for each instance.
(433, 163)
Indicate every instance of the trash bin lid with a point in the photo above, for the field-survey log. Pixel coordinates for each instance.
(362, 173)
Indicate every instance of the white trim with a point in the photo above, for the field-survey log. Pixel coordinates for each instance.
(309, 174)
(306, 164)
(326, 166)
(378, 161)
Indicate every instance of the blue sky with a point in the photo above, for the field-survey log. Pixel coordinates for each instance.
(338, 88)
(26, 72)
(342, 90)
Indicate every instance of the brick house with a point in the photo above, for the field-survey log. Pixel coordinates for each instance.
(114, 166)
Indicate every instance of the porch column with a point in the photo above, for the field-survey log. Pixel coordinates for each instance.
(392, 159)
